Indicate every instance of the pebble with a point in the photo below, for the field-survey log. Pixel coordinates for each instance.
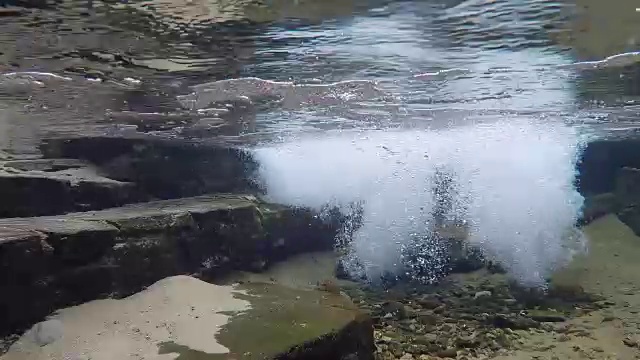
(482, 294)
(631, 342)
(451, 324)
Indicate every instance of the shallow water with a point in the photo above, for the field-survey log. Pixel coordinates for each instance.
(502, 93)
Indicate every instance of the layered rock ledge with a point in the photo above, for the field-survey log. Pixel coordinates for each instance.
(52, 262)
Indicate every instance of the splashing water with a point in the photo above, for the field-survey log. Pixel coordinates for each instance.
(513, 179)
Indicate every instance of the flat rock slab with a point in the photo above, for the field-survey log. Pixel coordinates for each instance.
(40, 187)
(52, 262)
(182, 317)
(161, 168)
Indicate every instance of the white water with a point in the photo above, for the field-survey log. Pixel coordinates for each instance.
(514, 180)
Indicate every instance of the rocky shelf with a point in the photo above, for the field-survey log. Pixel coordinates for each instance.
(101, 224)
(107, 225)
(51, 262)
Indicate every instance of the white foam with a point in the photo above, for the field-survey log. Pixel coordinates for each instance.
(514, 180)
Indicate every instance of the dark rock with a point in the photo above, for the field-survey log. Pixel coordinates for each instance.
(162, 168)
(46, 165)
(631, 342)
(396, 308)
(597, 206)
(427, 318)
(514, 322)
(428, 302)
(50, 262)
(631, 217)
(265, 320)
(627, 187)
(627, 194)
(448, 353)
(50, 188)
(546, 316)
(601, 161)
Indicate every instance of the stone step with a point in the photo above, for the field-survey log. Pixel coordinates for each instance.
(191, 319)
(52, 262)
(39, 187)
(159, 167)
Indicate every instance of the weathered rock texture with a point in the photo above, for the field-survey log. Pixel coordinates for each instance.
(609, 178)
(162, 168)
(51, 262)
(602, 159)
(55, 186)
(191, 319)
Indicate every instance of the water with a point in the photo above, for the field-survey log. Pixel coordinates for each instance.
(352, 102)
(513, 183)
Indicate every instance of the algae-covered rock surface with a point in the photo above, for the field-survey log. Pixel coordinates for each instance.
(185, 318)
(57, 261)
(610, 269)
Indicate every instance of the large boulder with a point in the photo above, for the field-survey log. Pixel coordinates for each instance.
(52, 262)
(182, 317)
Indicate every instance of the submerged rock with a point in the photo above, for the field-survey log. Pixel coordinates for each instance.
(627, 188)
(187, 318)
(162, 168)
(63, 260)
(54, 186)
(596, 206)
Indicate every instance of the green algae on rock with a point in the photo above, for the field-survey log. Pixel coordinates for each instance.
(189, 319)
(79, 257)
(286, 323)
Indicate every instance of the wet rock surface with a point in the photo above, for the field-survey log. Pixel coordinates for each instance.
(161, 168)
(475, 315)
(609, 177)
(54, 186)
(175, 316)
(49, 262)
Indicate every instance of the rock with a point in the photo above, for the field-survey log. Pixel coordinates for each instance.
(482, 294)
(601, 161)
(631, 217)
(448, 353)
(426, 339)
(463, 257)
(428, 302)
(427, 317)
(627, 187)
(58, 186)
(46, 332)
(187, 317)
(631, 342)
(63, 260)
(513, 322)
(162, 168)
(546, 316)
(396, 308)
(596, 206)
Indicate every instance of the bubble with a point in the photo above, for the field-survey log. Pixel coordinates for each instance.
(510, 182)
